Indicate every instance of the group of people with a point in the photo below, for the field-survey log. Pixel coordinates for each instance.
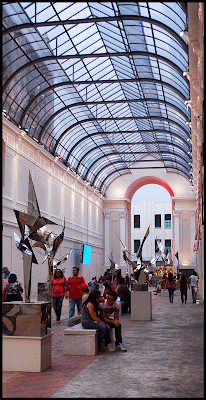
(184, 283)
(95, 310)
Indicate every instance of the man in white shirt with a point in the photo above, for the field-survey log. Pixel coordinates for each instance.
(194, 285)
(109, 307)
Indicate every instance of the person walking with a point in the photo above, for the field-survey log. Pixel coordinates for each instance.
(57, 290)
(171, 286)
(75, 297)
(12, 290)
(194, 282)
(90, 319)
(182, 283)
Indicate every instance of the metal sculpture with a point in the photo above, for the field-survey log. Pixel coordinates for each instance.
(32, 225)
(162, 253)
(139, 267)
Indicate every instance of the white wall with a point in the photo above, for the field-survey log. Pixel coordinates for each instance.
(147, 210)
(59, 195)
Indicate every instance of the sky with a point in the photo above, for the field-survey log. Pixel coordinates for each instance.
(152, 192)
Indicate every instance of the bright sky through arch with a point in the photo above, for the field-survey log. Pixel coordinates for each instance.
(153, 192)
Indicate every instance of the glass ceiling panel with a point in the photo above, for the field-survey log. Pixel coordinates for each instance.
(52, 68)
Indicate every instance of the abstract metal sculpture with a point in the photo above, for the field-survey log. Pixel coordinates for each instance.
(32, 226)
(161, 253)
(139, 267)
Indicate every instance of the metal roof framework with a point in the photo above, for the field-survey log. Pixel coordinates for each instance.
(100, 85)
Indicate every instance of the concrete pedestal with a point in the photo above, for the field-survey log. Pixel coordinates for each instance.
(141, 306)
(79, 341)
(27, 353)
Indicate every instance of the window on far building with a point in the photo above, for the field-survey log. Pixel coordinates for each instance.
(157, 220)
(136, 221)
(168, 245)
(167, 220)
(136, 245)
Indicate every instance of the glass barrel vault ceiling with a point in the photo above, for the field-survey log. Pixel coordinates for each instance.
(100, 85)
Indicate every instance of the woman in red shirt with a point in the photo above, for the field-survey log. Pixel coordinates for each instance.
(57, 289)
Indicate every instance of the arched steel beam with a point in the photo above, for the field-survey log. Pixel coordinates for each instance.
(120, 161)
(89, 103)
(130, 144)
(115, 119)
(105, 81)
(98, 19)
(135, 131)
(113, 172)
(131, 152)
(96, 55)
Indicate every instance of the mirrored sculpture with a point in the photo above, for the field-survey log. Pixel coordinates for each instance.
(139, 266)
(32, 225)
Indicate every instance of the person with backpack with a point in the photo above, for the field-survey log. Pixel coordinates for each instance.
(12, 290)
(182, 283)
(171, 286)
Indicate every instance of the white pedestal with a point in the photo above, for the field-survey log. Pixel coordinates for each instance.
(79, 341)
(27, 353)
(141, 306)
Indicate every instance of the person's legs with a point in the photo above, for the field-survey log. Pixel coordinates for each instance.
(55, 300)
(169, 295)
(96, 325)
(193, 293)
(182, 293)
(59, 307)
(71, 307)
(185, 295)
(79, 304)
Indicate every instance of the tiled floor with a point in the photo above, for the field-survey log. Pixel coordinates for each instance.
(145, 367)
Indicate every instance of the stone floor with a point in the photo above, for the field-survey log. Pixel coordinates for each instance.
(164, 359)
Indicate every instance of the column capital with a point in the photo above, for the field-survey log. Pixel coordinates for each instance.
(176, 213)
(106, 214)
(123, 214)
(192, 213)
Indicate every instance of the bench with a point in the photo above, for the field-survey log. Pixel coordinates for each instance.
(79, 341)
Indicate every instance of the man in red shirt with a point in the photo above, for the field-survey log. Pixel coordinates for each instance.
(75, 297)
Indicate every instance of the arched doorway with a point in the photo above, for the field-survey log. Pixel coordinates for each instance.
(133, 187)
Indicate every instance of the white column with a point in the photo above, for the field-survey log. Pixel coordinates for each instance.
(122, 231)
(192, 238)
(106, 239)
(176, 214)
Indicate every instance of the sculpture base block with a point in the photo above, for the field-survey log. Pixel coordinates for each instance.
(141, 306)
(27, 353)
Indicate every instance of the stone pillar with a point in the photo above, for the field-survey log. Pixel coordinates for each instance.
(176, 214)
(122, 232)
(106, 239)
(192, 238)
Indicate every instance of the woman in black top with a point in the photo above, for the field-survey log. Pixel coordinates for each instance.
(12, 289)
(183, 282)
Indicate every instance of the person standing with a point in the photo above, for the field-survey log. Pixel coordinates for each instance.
(125, 295)
(183, 282)
(12, 290)
(194, 282)
(171, 286)
(57, 290)
(75, 297)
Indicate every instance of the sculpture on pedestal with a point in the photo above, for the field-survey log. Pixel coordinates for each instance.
(32, 225)
(139, 267)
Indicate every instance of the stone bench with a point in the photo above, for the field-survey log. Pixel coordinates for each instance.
(79, 341)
